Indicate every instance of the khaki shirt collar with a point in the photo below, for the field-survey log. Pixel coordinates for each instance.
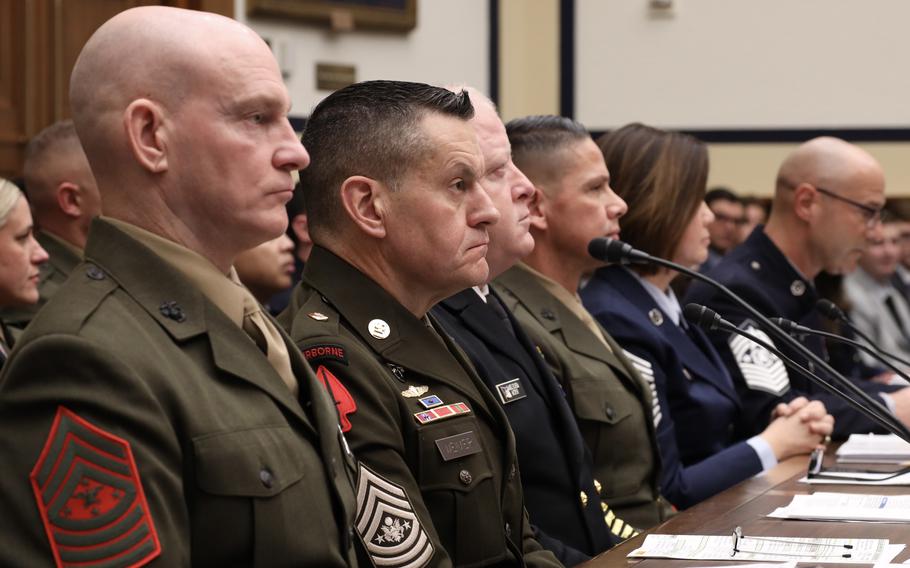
(223, 290)
(571, 301)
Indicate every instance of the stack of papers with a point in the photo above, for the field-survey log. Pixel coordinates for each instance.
(846, 507)
(773, 549)
(874, 448)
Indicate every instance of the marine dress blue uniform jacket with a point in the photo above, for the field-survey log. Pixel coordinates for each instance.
(698, 404)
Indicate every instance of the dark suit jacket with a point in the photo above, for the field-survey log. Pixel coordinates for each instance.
(760, 273)
(609, 399)
(555, 465)
(235, 471)
(698, 404)
(452, 477)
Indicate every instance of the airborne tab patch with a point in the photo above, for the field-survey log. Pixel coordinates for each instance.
(90, 498)
(761, 369)
(387, 523)
(330, 352)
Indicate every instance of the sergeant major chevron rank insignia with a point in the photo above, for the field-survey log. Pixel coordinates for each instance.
(761, 369)
(90, 498)
(387, 523)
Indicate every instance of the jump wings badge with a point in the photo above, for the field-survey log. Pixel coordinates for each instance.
(388, 525)
(90, 498)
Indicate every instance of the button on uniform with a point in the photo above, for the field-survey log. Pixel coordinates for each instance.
(465, 477)
(610, 412)
(94, 272)
(265, 476)
(512, 471)
(508, 530)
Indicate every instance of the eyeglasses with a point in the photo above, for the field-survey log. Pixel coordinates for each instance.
(721, 218)
(821, 548)
(872, 214)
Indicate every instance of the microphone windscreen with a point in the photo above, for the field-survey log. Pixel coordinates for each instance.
(830, 310)
(700, 316)
(613, 251)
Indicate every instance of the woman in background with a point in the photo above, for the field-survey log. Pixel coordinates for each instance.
(20, 256)
(662, 177)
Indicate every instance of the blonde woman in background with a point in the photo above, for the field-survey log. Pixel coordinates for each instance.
(20, 256)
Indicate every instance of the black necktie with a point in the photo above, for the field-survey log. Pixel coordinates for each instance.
(500, 311)
(892, 309)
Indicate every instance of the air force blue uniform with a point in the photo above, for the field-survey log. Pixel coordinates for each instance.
(760, 273)
(697, 402)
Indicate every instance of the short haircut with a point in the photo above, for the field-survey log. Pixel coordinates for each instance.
(721, 194)
(370, 129)
(662, 177)
(536, 138)
(9, 197)
(50, 143)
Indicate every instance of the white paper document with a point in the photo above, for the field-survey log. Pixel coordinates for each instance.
(766, 565)
(768, 549)
(846, 507)
(873, 448)
(857, 478)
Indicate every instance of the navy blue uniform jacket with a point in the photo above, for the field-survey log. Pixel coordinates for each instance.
(698, 404)
(554, 462)
(760, 273)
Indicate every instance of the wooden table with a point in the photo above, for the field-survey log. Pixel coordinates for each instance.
(747, 504)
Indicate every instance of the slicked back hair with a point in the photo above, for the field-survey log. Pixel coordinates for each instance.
(662, 176)
(370, 129)
(536, 138)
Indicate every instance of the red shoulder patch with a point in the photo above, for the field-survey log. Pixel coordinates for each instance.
(90, 498)
(343, 399)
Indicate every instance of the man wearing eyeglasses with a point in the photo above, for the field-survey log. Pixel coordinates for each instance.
(724, 229)
(827, 203)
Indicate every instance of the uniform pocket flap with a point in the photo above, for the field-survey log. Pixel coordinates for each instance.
(260, 462)
(597, 402)
(452, 456)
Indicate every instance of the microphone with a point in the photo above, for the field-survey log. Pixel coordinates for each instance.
(615, 251)
(706, 318)
(875, 352)
(833, 312)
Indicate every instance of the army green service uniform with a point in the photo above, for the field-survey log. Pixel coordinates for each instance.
(611, 401)
(139, 423)
(438, 484)
(63, 258)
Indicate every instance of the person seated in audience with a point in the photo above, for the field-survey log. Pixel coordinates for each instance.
(400, 222)
(267, 269)
(21, 258)
(878, 307)
(298, 232)
(64, 199)
(151, 415)
(828, 199)
(661, 176)
(725, 227)
(556, 471)
(755, 213)
(610, 401)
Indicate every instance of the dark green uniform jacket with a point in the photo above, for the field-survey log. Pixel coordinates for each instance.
(54, 273)
(610, 400)
(138, 423)
(439, 483)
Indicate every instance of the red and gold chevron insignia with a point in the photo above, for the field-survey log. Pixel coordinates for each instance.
(90, 498)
